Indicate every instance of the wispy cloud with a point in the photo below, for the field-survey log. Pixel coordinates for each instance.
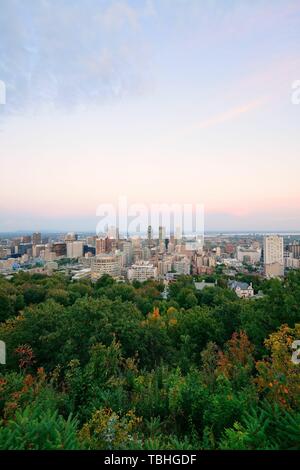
(66, 54)
(227, 116)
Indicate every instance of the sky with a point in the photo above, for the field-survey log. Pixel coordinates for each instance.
(160, 101)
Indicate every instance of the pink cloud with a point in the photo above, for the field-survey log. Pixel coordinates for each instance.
(228, 115)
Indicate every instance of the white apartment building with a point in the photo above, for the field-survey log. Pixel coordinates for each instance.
(105, 264)
(273, 256)
(249, 255)
(142, 271)
(182, 266)
(291, 263)
(164, 266)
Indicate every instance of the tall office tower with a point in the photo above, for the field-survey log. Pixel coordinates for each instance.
(149, 235)
(178, 235)
(71, 237)
(114, 239)
(171, 247)
(24, 248)
(161, 233)
(167, 241)
(294, 248)
(75, 249)
(102, 245)
(128, 252)
(136, 243)
(59, 248)
(36, 238)
(146, 253)
(113, 232)
(91, 241)
(273, 256)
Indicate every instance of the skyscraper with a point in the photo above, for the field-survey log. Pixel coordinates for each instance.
(71, 237)
(149, 235)
(75, 249)
(178, 234)
(273, 256)
(128, 251)
(59, 248)
(36, 238)
(102, 245)
(161, 233)
(294, 248)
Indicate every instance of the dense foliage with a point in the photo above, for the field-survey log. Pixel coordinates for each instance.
(115, 366)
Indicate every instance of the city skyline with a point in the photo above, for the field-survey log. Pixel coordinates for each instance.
(164, 101)
(156, 255)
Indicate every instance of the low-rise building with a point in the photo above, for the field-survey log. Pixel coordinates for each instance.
(142, 271)
(242, 289)
(248, 255)
(201, 285)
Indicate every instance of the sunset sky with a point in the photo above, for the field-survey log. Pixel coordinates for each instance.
(163, 101)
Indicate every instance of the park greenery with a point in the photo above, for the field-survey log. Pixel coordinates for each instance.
(111, 365)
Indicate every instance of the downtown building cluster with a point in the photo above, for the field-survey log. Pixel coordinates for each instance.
(139, 258)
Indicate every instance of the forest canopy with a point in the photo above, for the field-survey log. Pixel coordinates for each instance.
(111, 365)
